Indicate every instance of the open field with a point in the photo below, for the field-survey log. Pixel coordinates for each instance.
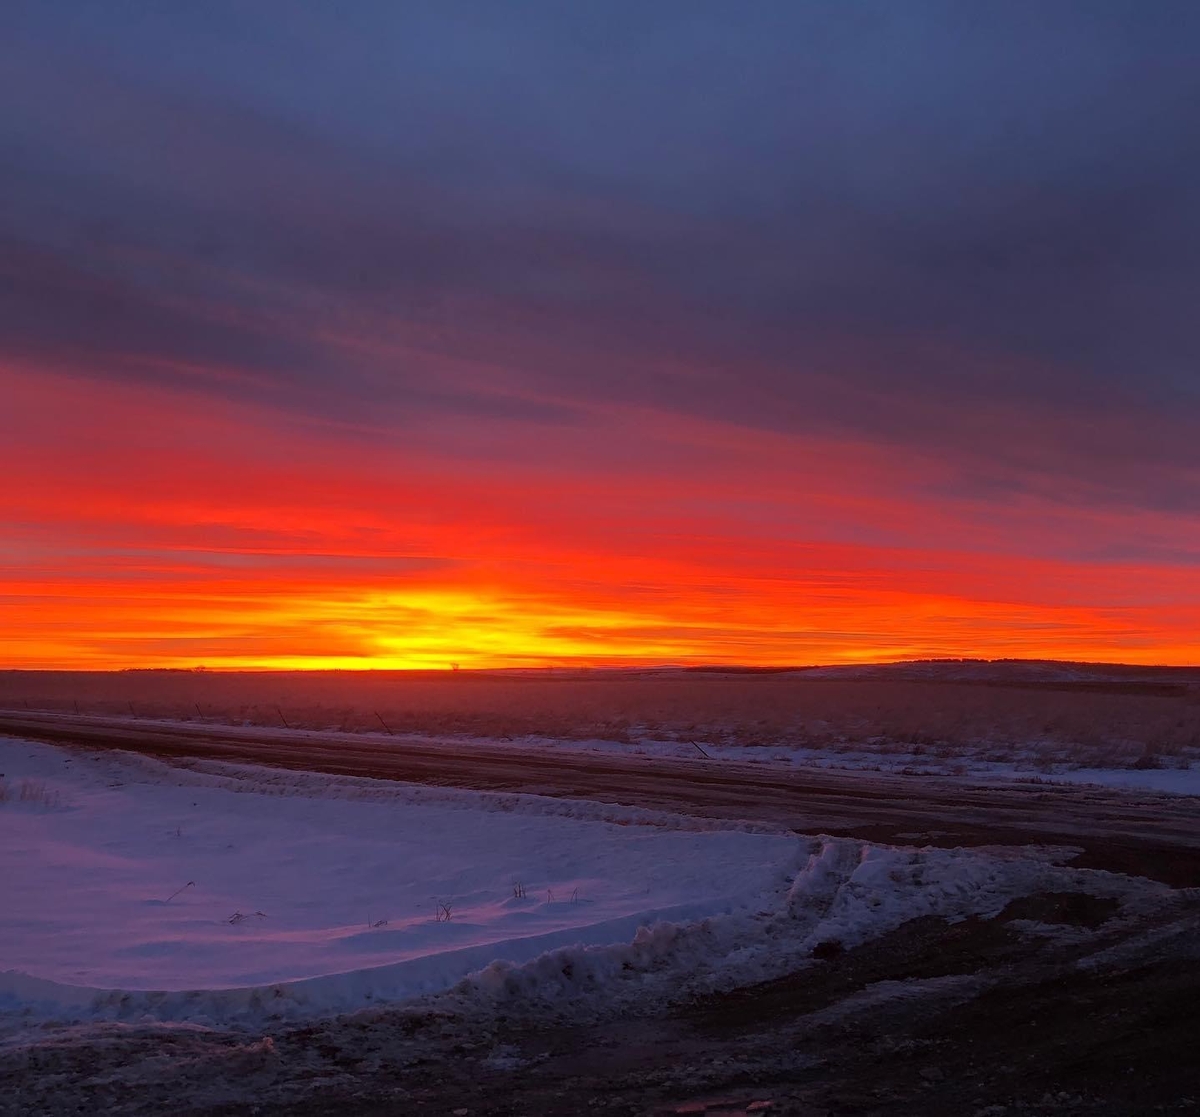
(1150, 833)
(1106, 717)
(219, 914)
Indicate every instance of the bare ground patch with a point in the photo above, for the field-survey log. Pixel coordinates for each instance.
(981, 1017)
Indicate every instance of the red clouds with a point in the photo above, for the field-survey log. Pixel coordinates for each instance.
(150, 527)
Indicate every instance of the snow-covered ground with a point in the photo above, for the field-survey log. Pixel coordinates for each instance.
(120, 873)
(885, 756)
(219, 894)
(1177, 781)
(980, 763)
(893, 757)
(1035, 762)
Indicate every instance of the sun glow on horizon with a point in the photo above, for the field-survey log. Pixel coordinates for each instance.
(160, 530)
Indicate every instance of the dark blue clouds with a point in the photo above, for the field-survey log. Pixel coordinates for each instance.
(969, 229)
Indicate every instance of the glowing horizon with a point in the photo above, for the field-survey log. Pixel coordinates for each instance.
(308, 564)
(823, 340)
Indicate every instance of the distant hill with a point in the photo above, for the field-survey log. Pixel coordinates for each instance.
(1053, 674)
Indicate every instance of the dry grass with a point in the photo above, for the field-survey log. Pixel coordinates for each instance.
(1110, 727)
(31, 792)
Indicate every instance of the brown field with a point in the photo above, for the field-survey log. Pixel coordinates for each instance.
(1119, 723)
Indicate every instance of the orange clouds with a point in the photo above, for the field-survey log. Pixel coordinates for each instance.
(145, 527)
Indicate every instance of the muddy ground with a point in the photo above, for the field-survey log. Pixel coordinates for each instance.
(1063, 1004)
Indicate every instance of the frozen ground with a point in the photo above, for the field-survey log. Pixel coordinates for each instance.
(965, 763)
(983, 762)
(704, 965)
(121, 874)
(1001, 718)
(223, 894)
(1176, 781)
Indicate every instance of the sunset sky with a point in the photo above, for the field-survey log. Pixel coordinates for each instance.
(507, 334)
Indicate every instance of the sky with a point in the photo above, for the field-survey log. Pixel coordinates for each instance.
(402, 335)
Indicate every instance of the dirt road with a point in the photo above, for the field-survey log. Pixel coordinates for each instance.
(982, 1017)
(1148, 834)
